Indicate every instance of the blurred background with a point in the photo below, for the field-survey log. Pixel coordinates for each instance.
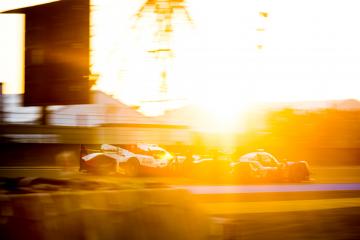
(197, 91)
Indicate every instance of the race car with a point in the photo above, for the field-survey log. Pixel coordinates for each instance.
(266, 166)
(130, 160)
(247, 170)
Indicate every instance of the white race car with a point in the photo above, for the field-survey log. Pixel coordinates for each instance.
(130, 159)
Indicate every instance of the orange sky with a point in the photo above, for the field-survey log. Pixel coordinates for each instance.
(311, 52)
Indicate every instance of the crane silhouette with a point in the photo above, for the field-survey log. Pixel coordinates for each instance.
(165, 12)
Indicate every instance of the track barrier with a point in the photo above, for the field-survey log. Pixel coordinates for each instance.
(91, 215)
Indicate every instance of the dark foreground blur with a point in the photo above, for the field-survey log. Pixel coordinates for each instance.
(341, 223)
(84, 211)
(47, 208)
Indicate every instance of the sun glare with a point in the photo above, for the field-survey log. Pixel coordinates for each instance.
(208, 69)
(218, 55)
(233, 54)
(199, 71)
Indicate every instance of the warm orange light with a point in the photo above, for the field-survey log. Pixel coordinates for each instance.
(220, 49)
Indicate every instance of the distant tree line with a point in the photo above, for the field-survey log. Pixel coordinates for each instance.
(325, 137)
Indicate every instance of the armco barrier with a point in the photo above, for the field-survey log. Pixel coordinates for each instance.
(175, 215)
(110, 215)
(6, 212)
(69, 215)
(128, 214)
(31, 217)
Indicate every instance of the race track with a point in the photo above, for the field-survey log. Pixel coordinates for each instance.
(271, 188)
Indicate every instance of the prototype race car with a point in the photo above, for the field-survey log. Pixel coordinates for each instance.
(247, 170)
(130, 160)
(265, 166)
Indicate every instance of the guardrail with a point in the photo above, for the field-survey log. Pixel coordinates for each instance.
(128, 214)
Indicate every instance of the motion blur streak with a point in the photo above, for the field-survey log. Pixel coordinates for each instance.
(271, 188)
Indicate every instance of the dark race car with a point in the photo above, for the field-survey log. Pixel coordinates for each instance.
(266, 166)
(247, 171)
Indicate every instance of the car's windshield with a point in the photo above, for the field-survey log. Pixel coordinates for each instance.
(267, 160)
(161, 154)
(248, 157)
(158, 153)
(262, 158)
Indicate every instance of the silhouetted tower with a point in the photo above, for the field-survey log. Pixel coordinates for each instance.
(263, 15)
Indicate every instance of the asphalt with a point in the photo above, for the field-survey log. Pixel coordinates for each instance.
(312, 187)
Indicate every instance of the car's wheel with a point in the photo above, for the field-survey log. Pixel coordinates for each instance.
(132, 167)
(304, 168)
(299, 172)
(102, 165)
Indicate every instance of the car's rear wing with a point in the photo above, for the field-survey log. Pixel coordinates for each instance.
(87, 149)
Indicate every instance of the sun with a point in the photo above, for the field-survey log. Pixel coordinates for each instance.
(227, 112)
(204, 69)
(216, 60)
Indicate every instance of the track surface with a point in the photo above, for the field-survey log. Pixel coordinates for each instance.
(271, 188)
(328, 208)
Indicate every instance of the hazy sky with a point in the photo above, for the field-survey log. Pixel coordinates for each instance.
(311, 51)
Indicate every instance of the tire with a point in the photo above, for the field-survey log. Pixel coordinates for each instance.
(132, 167)
(102, 165)
(299, 172)
(304, 167)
